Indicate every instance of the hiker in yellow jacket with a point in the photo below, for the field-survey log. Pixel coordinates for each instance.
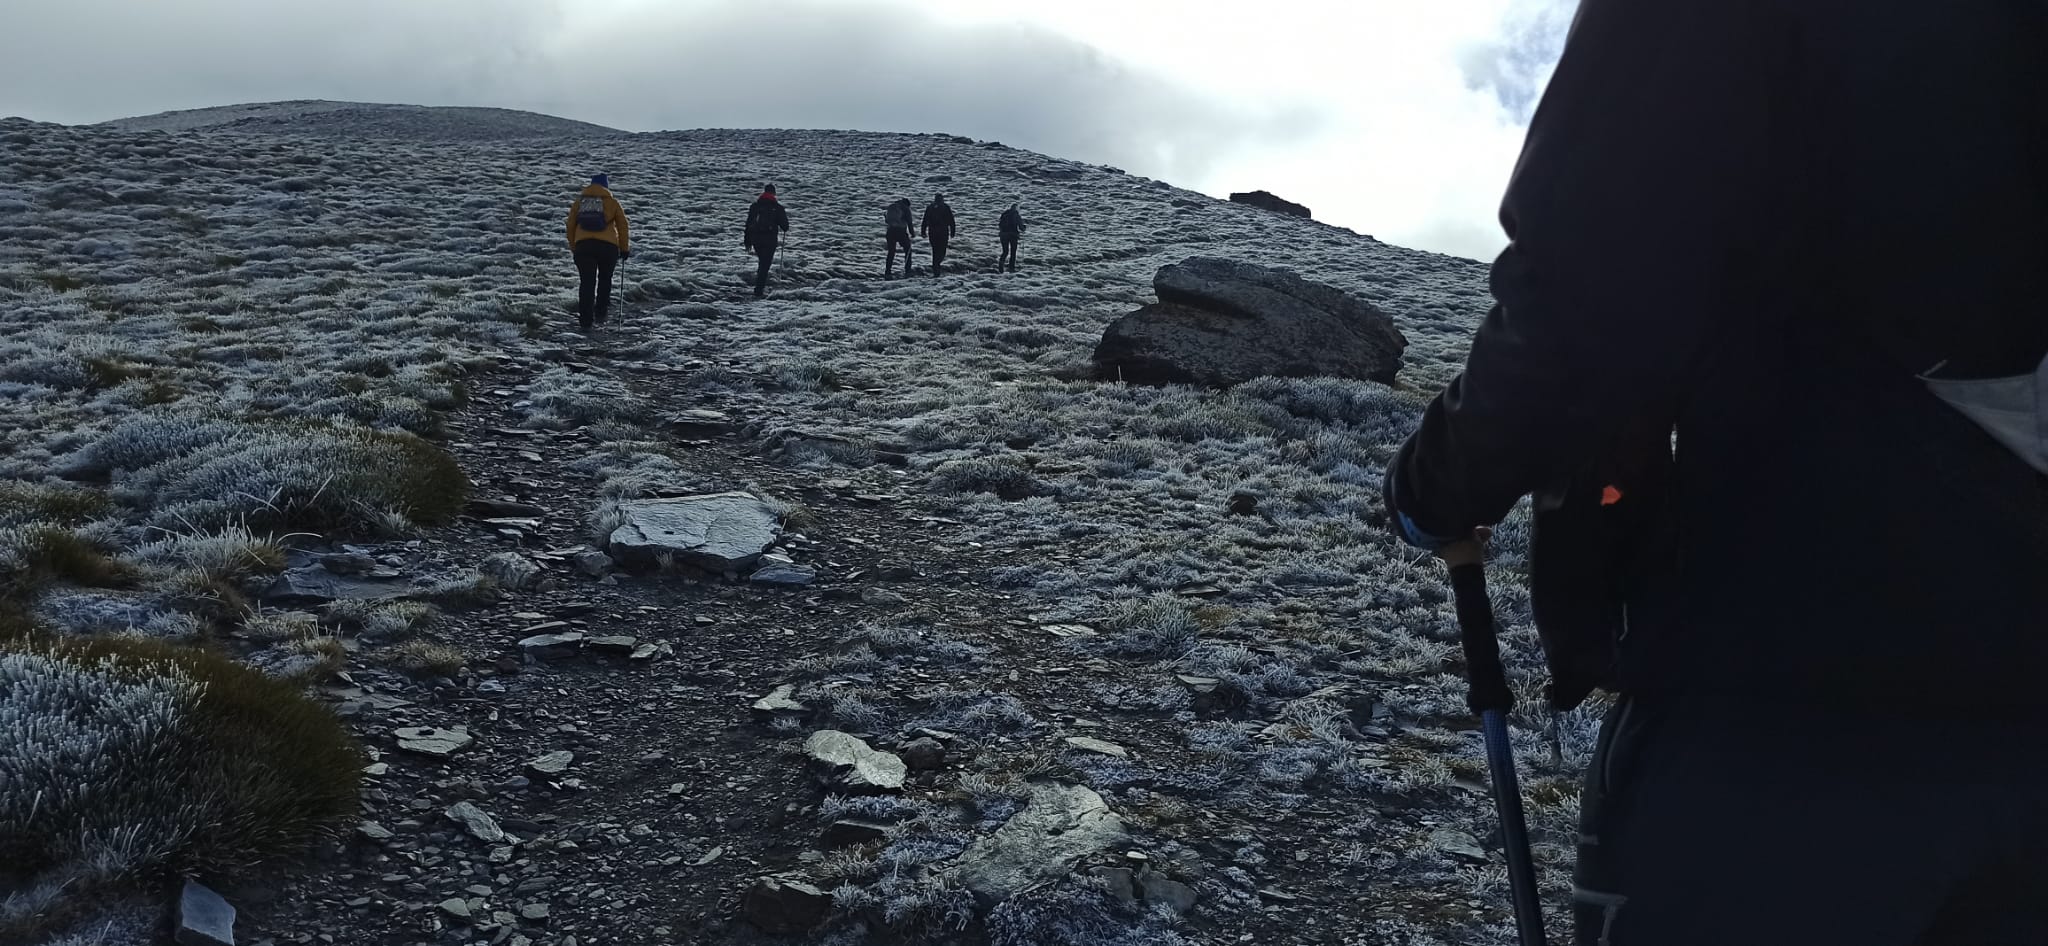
(597, 236)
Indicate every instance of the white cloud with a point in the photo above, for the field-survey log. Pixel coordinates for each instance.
(1399, 118)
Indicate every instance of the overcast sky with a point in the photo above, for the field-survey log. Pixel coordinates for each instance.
(1398, 118)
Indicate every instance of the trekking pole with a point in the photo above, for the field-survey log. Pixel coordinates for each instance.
(1490, 697)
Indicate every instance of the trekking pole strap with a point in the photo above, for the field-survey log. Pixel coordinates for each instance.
(1485, 678)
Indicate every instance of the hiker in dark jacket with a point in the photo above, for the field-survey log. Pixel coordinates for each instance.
(766, 223)
(597, 241)
(1757, 224)
(1011, 229)
(897, 217)
(939, 228)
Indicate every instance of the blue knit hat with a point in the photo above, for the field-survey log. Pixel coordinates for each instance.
(601, 180)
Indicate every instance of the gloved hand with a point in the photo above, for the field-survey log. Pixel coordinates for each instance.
(625, 256)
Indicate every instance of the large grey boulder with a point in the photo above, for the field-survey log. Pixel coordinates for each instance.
(1062, 825)
(717, 532)
(1221, 322)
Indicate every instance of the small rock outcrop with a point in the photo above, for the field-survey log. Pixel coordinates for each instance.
(204, 918)
(717, 532)
(1265, 200)
(1062, 825)
(318, 584)
(477, 822)
(551, 765)
(1221, 322)
(850, 764)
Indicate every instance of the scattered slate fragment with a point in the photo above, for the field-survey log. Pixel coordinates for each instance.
(429, 741)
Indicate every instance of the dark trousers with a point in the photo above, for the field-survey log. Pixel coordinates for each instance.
(595, 262)
(898, 238)
(1008, 259)
(765, 250)
(1719, 822)
(938, 254)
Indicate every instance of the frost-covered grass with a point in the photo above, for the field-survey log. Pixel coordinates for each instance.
(128, 758)
(277, 286)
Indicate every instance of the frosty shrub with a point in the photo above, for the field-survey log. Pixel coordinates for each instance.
(123, 756)
(563, 399)
(209, 473)
(1074, 914)
(1003, 477)
(23, 503)
(1158, 626)
(232, 552)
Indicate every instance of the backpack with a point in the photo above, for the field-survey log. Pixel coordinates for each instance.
(590, 215)
(1012, 223)
(761, 222)
(899, 217)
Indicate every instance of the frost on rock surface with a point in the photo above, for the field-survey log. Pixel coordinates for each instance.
(1061, 825)
(1221, 322)
(716, 532)
(850, 763)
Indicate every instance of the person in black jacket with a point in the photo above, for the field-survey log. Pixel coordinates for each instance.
(766, 223)
(1755, 225)
(939, 228)
(1010, 228)
(897, 221)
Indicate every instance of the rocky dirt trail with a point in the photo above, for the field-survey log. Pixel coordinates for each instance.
(627, 790)
(674, 789)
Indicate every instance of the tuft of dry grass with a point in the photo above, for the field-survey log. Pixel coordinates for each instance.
(421, 656)
(40, 555)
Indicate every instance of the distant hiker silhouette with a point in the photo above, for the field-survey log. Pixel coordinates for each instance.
(939, 228)
(766, 223)
(597, 239)
(1011, 229)
(898, 218)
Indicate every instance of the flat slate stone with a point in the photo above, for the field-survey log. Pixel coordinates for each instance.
(551, 765)
(477, 822)
(552, 646)
(316, 585)
(718, 532)
(1097, 746)
(782, 702)
(426, 740)
(204, 918)
(794, 576)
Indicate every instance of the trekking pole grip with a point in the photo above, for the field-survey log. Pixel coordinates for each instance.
(1486, 679)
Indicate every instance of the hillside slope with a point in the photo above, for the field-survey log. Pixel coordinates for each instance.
(366, 119)
(1280, 688)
